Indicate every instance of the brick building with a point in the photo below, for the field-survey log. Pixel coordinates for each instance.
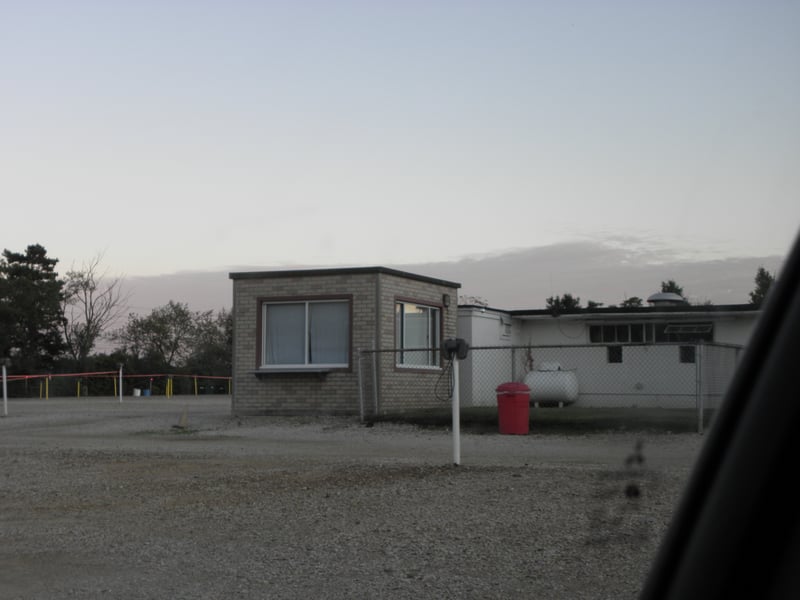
(297, 335)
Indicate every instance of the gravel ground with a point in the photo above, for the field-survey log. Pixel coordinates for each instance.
(106, 500)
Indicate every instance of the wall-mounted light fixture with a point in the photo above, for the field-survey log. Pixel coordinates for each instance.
(446, 299)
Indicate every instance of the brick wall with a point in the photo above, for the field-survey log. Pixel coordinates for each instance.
(372, 292)
(293, 393)
(396, 384)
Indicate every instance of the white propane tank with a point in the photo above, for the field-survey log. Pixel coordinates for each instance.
(551, 384)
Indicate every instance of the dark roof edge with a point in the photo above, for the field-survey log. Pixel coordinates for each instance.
(643, 310)
(632, 310)
(341, 271)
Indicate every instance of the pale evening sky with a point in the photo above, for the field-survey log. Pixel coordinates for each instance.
(182, 135)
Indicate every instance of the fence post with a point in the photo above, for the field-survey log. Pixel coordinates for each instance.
(5, 392)
(456, 415)
(698, 368)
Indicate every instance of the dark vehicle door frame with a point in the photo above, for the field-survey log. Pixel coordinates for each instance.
(736, 533)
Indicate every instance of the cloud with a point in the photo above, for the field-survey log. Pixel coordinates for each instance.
(604, 271)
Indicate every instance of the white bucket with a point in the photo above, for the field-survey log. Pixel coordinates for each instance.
(137, 392)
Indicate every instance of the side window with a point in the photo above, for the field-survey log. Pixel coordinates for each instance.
(614, 354)
(687, 354)
(417, 329)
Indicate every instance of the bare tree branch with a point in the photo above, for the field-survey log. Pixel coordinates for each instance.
(92, 302)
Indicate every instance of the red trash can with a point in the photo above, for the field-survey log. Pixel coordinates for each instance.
(513, 408)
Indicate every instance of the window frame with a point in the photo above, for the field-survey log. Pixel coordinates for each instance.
(306, 366)
(435, 358)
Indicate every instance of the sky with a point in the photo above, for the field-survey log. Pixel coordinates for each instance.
(178, 136)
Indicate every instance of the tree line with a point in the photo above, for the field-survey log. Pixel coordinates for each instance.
(52, 324)
(570, 303)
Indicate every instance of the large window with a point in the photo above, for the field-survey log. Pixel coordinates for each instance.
(417, 329)
(647, 333)
(306, 334)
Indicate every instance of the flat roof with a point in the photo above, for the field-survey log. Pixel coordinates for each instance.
(641, 310)
(341, 271)
(615, 311)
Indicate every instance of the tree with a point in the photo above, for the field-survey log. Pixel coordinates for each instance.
(632, 302)
(212, 351)
(593, 304)
(563, 304)
(164, 338)
(30, 309)
(92, 302)
(672, 287)
(764, 280)
(174, 338)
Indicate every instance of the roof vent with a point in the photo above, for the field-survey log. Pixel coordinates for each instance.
(667, 299)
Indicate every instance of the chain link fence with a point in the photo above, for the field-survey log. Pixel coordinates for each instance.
(688, 377)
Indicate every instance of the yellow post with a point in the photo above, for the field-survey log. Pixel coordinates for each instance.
(47, 388)
(229, 387)
(40, 390)
(195, 386)
(114, 379)
(79, 388)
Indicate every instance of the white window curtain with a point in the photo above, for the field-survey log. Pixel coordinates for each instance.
(417, 330)
(285, 334)
(328, 333)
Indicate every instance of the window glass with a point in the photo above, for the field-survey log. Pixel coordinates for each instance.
(690, 332)
(687, 354)
(285, 328)
(417, 334)
(328, 333)
(306, 333)
(614, 354)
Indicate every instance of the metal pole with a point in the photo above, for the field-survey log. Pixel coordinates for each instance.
(456, 416)
(5, 393)
(360, 386)
(699, 386)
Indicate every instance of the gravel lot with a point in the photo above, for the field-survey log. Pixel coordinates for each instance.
(107, 500)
